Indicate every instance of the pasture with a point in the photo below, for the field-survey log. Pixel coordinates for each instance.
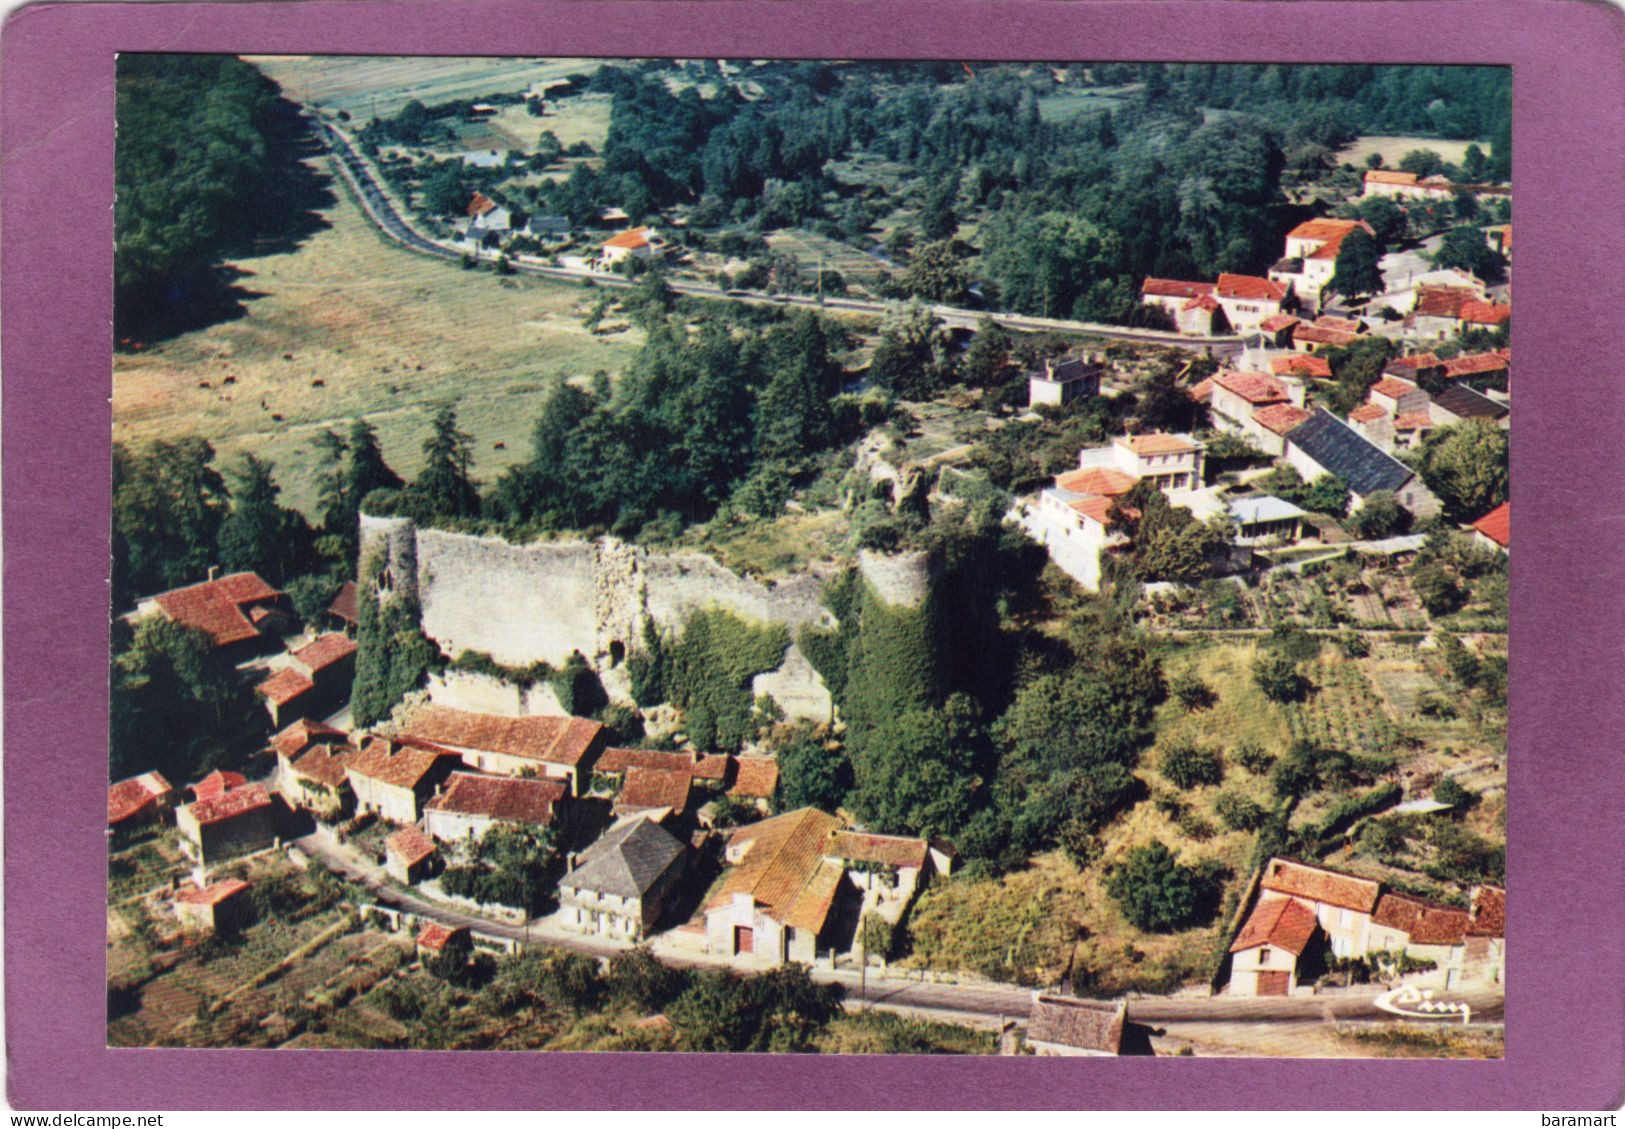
(367, 86)
(1393, 149)
(351, 325)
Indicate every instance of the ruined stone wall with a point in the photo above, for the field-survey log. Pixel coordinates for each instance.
(902, 580)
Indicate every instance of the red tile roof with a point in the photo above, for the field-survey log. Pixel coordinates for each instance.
(435, 936)
(1484, 313)
(1326, 228)
(1250, 286)
(631, 239)
(1096, 480)
(1320, 335)
(133, 796)
(1254, 387)
(782, 869)
(346, 604)
(1366, 413)
(1089, 1025)
(1312, 883)
(1202, 390)
(291, 741)
(550, 740)
(409, 845)
(1424, 922)
(1285, 923)
(1302, 364)
(1414, 361)
(1489, 912)
(1155, 443)
(1281, 418)
(284, 686)
(328, 649)
(1277, 322)
(480, 204)
(710, 766)
(755, 777)
(1169, 288)
(217, 606)
(1475, 364)
(1096, 509)
(1497, 525)
(1201, 302)
(1392, 388)
(506, 798)
(1389, 176)
(888, 850)
(325, 764)
(646, 789)
(1413, 421)
(391, 762)
(212, 894)
(1441, 301)
(230, 805)
(216, 783)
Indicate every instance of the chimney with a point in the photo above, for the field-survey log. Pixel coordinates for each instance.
(214, 572)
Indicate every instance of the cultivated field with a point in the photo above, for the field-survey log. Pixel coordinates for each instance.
(1393, 149)
(365, 86)
(349, 325)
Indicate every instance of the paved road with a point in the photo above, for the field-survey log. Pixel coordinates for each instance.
(896, 992)
(381, 210)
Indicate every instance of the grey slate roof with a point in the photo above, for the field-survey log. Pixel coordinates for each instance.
(1065, 372)
(627, 861)
(1463, 403)
(1342, 451)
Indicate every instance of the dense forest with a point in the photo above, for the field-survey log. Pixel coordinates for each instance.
(208, 164)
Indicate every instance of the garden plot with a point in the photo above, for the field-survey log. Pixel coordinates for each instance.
(1403, 686)
(1344, 711)
(808, 249)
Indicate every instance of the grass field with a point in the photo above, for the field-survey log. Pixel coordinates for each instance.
(364, 85)
(390, 335)
(1067, 103)
(1393, 149)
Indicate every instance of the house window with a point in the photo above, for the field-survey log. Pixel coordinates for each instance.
(1264, 955)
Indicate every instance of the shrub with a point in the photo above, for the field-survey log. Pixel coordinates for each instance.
(1450, 791)
(1189, 766)
(1253, 758)
(1239, 812)
(1192, 692)
(1157, 893)
(1350, 808)
(1353, 646)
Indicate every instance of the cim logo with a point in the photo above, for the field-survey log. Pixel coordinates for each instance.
(1420, 1003)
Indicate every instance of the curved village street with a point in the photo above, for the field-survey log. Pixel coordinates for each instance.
(382, 212)
(943, 1001)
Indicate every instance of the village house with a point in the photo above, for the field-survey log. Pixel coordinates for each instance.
(1375, 425)
(243, 614)
(1407, 185)
(658, 793)
(1397, 397)
(1484, 957)
(1301, 366)
(755, 781)
(1248, 301)
(1265, 956)
(1480, 370)
(1174, 296)
(409, 856)
(1458, 403)
(1257, 406)
(485, 214)
(564, 748)
(1324, 444)
(470, 805)
(310, 773)
(1325, 332)
(220, 907)
(634, 243)
(138, 803)
(217, 783)
(1060, 382)
(393, 780)
(1403, 289)
(1241, 302)
(1310, 257)
(1443, 311)
(435, 940)
(1494, 529)
(1342, 903)
(1499, 238)
(1066, 1026)
(1277, 331)
(1423, 931)
(314, 680)
(1413, 367)
(344, 613)
(797, 883)
(230, 823)
(620, 886)
(1265, 519)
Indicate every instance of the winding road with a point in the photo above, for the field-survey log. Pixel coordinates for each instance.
(383, 213)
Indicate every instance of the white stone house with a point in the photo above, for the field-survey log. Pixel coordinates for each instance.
(470, 805)
(1061, 382)
(1265, 954)
(1324, 444)
(563, 748)
(622, 884)
(393, 780)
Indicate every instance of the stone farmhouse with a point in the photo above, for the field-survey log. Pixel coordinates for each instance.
(409, 856)
(1061, 382)
(313, 680)
(394, 780)
(1325, 332)
(1324, 444)
(659, 793)
(564, 748)
(1407, 185)
(138, 803)
(243, 614)
(1257, 406)
(798, 884)
(310, 768)
(1244, 301)
(470, 805)
(219, 907)
(620, 886)
(1069, 1027)
(235, 822)
(1303, 912)
(650, 780)
(1441, 312)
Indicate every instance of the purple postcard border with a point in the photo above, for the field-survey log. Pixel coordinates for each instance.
(1565, 1046)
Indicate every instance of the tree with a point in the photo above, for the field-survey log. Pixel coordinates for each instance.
(168, 501)
(365, 469)
(1191, 692)
(915, 773)
(987, 357)
(1466, 466)
(1239, 812)
(935, 274)
(1386, 218)
(937, 219)
(910, 361)
(1158, 894)
(1422, 162)
(1450, 791)
(1437, 589)
(1381, 516)
(810, 773)
(1357, 274)
(1465, 248)
(1190, 766)
(792, 413)
(1327, 494)
(258, 535)
(1277, 676)
(444, 487)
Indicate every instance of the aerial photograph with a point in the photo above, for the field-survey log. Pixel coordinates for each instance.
(831, 557)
